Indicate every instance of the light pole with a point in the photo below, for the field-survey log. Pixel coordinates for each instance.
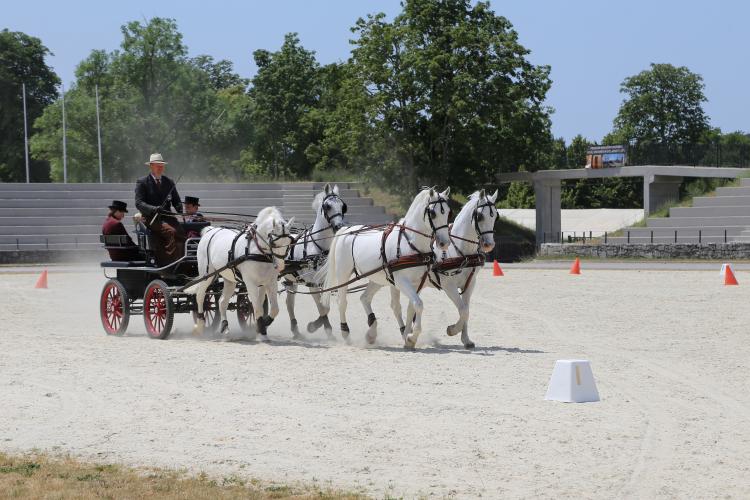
(65, 145)
(99, 135)
(25, 134)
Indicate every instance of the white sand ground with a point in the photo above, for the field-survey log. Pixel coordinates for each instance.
(670, 351)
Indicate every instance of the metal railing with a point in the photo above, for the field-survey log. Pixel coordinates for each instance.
(637, 236)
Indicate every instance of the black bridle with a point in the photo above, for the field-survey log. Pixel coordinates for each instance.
(430, 213)
(272, 239)
(324, 206)
(478, 217)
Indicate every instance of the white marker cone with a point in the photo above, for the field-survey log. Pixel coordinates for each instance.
(572, 382)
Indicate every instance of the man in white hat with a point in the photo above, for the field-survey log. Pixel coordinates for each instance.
(154, 195)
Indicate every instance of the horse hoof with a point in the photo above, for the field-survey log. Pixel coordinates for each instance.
(469, 345)
(410, 342)
(311, 327)
(451, 331)
(224, 328)
(371, 338)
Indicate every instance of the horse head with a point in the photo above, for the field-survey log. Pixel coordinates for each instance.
(330, 207)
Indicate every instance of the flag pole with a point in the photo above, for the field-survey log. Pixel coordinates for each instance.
(65, 146)
(99, 135)
(25, 134)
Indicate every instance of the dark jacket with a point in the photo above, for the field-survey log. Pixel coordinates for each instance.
(149, 197)
(113, 226)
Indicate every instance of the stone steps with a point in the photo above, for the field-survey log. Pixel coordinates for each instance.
(69, 216)
(724, 217)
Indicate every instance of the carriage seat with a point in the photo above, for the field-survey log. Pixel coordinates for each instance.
(116, 241)
(121, 263)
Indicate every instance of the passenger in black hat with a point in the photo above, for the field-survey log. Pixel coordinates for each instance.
(113, 226)
(191, 209)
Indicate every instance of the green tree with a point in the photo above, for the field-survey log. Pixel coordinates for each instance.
(449, 95)
(662, 115)
(285, 91)
(22, 61)
(152, 98)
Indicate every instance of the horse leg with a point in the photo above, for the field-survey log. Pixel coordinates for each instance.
(405, 285)
(467, 342)
(200, 297)
(226, 296)
(291, 290)
(450, 289)
(366, 299)
(322, 316)
(396, 308)
(273, 309)
(409, 320)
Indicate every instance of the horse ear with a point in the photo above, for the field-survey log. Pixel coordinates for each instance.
(432, 192)
(289, 222)
(493, 198)
(336, 189)
(327, 189)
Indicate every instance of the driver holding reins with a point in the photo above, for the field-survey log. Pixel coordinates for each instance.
(155, 194)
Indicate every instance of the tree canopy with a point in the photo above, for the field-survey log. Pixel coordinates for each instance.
(449, 94)
(22, 62)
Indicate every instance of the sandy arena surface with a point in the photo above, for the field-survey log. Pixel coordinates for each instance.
(670, 351)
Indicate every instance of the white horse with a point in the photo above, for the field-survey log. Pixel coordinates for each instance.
(398, 254)
(472, 235)
(265, 244)
(308, 253)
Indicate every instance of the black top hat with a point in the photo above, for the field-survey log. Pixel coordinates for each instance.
(192, 200)
(119, 205)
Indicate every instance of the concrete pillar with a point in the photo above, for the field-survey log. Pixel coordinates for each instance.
(547, 210)
(658, 191)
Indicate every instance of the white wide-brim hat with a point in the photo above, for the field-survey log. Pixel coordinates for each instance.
(156, 158)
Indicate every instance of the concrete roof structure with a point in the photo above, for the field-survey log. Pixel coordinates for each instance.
(661, 186)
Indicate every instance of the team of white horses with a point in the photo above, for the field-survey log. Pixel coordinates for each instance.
(329, 257)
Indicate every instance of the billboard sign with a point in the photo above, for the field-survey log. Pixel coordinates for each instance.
(605, 156)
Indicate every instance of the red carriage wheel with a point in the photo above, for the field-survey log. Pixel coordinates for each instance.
(244, 311)
(114, 308)
(158, 310)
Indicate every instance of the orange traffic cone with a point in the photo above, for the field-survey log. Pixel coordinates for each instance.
(42, 281)
(496, 271)
(576, 267)
(729, 278)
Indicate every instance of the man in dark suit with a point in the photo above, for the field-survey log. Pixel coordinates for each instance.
(154, 195)
(113, 226)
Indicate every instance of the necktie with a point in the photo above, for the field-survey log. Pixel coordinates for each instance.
(158, 182)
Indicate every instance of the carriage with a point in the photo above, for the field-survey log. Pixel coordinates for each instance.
(157, 292)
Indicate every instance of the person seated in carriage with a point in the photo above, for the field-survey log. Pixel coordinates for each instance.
(192, 204)
(113, 227)
(154, 195)
(191, 216)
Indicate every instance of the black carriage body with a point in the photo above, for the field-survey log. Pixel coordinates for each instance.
(131, 284)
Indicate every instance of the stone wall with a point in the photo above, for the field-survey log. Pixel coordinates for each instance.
(719, 251)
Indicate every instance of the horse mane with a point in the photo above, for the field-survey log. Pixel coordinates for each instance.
(267, 217)
(318, 201)
(468, 208)
(419, 204)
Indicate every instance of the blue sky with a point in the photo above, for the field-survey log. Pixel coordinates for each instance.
(592, 45)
